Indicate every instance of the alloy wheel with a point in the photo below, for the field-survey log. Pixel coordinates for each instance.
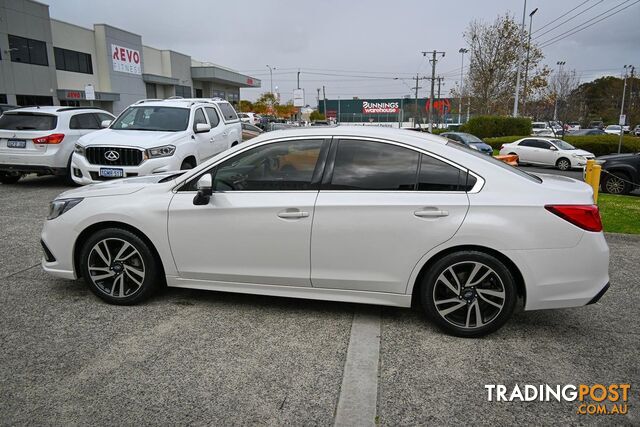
(116, 267)
(614, 185)
(469, 294)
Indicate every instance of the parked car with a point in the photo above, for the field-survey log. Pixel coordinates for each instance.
(547, 152)
(620, 173)
(470, 141)
(626, 128)
(397, 217)
(596, 124)
(7, 107)
(573, 126)
(613, 129)
(250, 131)
(636, 130)
(545, 129)
(157, 136)
(251, 118)
(583, 132)
(41, 139)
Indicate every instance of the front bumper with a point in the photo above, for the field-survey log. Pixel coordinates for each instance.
(84, 172)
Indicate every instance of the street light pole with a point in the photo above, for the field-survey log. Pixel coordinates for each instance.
(558, 77)
(462, 51)
(271, 75)
(526, 66)
(517, 94)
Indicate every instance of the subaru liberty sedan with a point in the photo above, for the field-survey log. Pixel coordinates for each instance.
(356, 214)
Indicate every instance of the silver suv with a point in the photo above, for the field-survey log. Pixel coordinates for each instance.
(41, 139)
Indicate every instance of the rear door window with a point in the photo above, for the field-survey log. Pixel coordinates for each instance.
(227, 111)
(436, 175)
(84, 121)
(28, 121)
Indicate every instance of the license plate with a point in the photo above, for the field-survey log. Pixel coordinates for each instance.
(111, 173)
(16, 143)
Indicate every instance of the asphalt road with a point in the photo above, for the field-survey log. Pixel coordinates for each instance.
(213, 358)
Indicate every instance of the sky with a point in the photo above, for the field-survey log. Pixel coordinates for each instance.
(368, 49)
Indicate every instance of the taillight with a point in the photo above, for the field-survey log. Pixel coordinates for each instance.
(586, 217)
(55, 138)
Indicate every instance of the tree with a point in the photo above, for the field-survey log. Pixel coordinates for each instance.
(600, 100)
(495, 51)
(245, 106)
(316, 115)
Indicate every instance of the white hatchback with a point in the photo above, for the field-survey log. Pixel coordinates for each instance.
(547, 152)
(356, 214)
(41, 139)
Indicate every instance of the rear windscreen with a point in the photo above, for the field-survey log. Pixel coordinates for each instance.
(28, 121)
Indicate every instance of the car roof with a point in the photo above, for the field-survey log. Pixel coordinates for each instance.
(418, 139)
(179, 102)
(56, 109)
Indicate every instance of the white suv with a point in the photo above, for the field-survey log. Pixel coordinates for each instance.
(153, 136)
(41, 139)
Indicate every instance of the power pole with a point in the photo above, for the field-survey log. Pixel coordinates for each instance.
(318, 98)
(462, 51)
(433, 61)
(559, 81)
(526, 66)
(624, 91)
(517, 94)
(438, 98)
(415, 120)
(324, 97)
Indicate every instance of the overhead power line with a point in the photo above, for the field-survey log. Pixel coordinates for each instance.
(562, 16)
(568, 19)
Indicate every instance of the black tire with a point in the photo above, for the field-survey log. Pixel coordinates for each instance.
(132, 288)
(68, 176)
(615, 183)
(9, 178)
(563, 164)
(187, 164)
(460, 321)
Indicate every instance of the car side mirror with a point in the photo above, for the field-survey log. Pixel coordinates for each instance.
(202, 127)
(552, 148)
(205, 190)
(105, 124)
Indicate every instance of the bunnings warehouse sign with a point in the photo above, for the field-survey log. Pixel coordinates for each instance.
(369, 107)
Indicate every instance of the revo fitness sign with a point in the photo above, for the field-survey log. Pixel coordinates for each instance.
(125, 60)
(380, 107)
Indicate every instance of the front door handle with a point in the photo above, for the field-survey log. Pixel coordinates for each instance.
(293, 214)
(431, 213)
(211, 139)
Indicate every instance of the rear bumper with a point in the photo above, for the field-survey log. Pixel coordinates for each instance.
(39, 169)
(599, 294)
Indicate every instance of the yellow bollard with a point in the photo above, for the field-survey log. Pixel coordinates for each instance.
(595, 181)
(588, 171)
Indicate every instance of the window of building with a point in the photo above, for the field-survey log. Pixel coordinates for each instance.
(28, 51)
(151, 90)
(66, 103)
(218, 94)
(3, 98)
(368, 165)
(198, 93)
(214, 119)
(183, 91)
(284, 166)
(70, 60)
(28, 100)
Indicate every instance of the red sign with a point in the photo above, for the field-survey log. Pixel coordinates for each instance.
(250, 81)
(74, 95)
(125, 60)
(442, 106)
(380, 107)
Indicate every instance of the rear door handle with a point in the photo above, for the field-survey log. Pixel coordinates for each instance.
(431, 213)
(293, 214)
(211, 139)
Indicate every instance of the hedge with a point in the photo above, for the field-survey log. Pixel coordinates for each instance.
(486, 126)
(596, 144)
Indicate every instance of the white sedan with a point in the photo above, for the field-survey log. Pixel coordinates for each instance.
(547, 152)
(613, 129)
(356, 214)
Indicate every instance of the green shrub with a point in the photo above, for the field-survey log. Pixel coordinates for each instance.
(596, 144)
(494, 126)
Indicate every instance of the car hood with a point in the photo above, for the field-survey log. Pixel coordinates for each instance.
(130, 138)
(580, 152)
(117, 187)
(619, 156)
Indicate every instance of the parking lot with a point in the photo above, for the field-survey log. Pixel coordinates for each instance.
(224, 359)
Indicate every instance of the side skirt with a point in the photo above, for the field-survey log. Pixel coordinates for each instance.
(361, 297)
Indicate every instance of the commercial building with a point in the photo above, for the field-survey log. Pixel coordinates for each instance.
(45, 61)
(393, 111)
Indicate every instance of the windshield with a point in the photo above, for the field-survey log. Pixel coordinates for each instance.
(538, 125)
(562, 144)
(155, 119)
(613, 127)
(496, 162)
(28, 121)
(472, 139)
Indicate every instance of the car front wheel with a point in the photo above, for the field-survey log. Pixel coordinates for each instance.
(469, 293)
(563, 164)
(119, 266)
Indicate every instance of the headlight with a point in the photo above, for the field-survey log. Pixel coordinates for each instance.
(78, 149)
(164, 151)
(577, 156)
(60, 206)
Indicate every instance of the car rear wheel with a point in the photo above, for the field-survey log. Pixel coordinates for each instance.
(615, 183)
(563, 164)
(469, 293)
(9, 178)
(119, 267)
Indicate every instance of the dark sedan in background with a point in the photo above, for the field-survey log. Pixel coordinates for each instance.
(620, 173)
(470, 141)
